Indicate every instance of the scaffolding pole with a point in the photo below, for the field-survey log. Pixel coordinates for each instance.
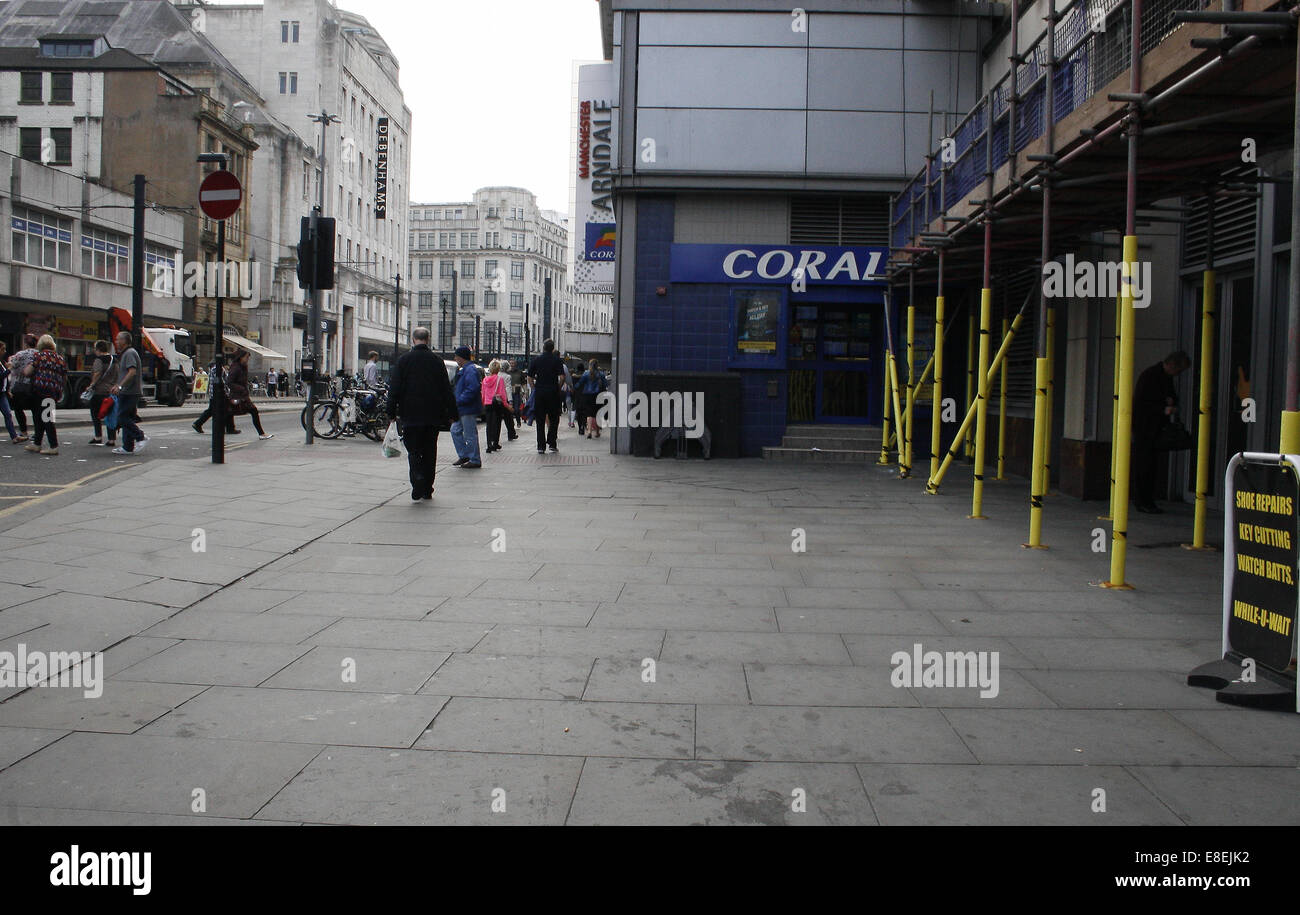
(1128, 324)
(1114, 411)
(1002, 414)
(982, 390)
(936, 397)
(1038, 471)
(885, 429)
(1051, 400)
(969, 444)
(905, 459)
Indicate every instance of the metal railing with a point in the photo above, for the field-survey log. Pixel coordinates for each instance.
(1093, 47)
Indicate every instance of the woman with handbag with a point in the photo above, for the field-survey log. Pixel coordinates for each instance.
(4, 398)
(238, 400)
(20, 385)
(496, 405)
(103, 375)
(49, 374)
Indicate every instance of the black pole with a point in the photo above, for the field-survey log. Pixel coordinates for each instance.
(218, 381)
(137, 270)
(528, 341)
(451, 329)
(477, 322)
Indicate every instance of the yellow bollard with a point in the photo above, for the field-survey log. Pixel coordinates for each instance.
(1289, 441)
(970, 377)
(1203, 456)
(982, 405)
(1051, 399)
(898, 412)
(1037, 478)
(905, 463)
(932, 486)
(1002, 414)
(885, 430)
(1114, 414)
(1124, 430)
(936, 398)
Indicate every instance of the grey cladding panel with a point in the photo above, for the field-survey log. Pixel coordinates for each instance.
(846, 80)
(833, 30)
(855, 143)
(722, 78)
(926, 71)
(711, 139)
(721, 29)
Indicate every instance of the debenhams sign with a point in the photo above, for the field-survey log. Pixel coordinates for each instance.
(824, 264)
(381, 169)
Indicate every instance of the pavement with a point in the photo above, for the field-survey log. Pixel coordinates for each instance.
(585, 638)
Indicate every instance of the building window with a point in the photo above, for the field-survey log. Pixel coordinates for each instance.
(442, 239)
(489, 299)
(516, 270)
(426, 270)
(289, 31)
(62, 137)
(467, 269)
(467, 300)
(159, 269)
(61, 88)
(32, 91)
(464, 239)
(489, 270)
(41, 240)
(492, 213)
(29, 142)
(492, 239)
(293, 83)
(426, 300)
(516, 301)
(466, 332)
(105, 255)
(460, 214)
(445, 268)
(516, 334)
(288, 83)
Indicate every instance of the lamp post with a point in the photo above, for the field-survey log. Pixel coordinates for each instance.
(324, 119)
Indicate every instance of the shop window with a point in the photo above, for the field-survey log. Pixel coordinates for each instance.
(41, 240)
(105, 255)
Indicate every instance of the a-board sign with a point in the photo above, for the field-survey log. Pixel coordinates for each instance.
(1261, 589)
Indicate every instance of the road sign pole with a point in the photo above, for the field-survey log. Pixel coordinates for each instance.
(218, 375)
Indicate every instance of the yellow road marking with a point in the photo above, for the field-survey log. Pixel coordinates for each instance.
(57, 489)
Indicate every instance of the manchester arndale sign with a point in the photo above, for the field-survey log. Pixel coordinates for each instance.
(820, 264)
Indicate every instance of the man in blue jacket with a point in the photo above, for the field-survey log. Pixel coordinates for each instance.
(469, 404)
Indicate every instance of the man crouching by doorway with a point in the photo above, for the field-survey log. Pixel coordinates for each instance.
(419, 396)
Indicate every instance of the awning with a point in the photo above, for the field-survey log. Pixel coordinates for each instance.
(255, 349)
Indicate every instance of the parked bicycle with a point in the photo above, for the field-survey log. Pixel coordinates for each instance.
(347, 408)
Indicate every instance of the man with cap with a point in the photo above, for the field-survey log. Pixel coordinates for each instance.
(469, 404)
(420, 397)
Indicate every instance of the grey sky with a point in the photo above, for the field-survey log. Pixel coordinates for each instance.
(488, 83)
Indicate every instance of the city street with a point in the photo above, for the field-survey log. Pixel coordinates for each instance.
(603, 639)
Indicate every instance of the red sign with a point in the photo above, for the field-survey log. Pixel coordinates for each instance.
(220, 195)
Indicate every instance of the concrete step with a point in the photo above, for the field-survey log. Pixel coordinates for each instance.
(820, 456)
(831, 443)
(827, 430)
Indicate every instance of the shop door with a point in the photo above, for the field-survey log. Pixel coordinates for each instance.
(831, 379)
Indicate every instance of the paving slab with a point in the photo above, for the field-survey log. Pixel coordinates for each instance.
(227, 626)
(214, 663)
(1252, 737)
(17, 743)
(965, 795)
(562, 728)
(774, 647)
(823, 734)
(416, 635)
(510, 677)
(1213, 795)
(856, 620)
(375, 787)
(123, 708)
(813, 685)
(1117, 689)
(640, 613)
(157, 775)
(302, 716)
(514, 612)
(619, 679)
(658, 792)
(573, 641)
(365, 670)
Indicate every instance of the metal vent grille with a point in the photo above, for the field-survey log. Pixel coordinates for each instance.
(1020, 358)
(858, 220)
(1234, 227)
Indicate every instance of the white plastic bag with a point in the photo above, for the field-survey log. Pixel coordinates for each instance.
(393, 446)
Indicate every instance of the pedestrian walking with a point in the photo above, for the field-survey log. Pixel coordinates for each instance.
(421, 400)
(128, 390)
(469, 404)
(592, 383)
(371, 371)
(102, 375)
(272, 383)
(496, 406)
(547, 375)
(5, 376)
(20, 384)
(1154, 401)
(241, 401)
(517, 393)
(208, 413)
(49, 376)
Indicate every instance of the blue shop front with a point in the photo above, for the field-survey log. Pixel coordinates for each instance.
(803, 326)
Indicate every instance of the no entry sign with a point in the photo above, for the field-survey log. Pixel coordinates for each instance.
(220, 195)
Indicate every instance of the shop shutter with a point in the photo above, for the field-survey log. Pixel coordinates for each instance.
(861, 219)
(1234, 225)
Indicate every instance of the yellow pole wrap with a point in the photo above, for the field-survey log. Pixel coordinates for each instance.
(1124, 429)
(885, 430)
(1036, 478)
(905, 464)
(1290, 439)
(1203, 457)
(1051, 398)
(936, 398)
(898, 409)
(1002, 415)
(982, 404)
(970, 378)
(1114, 413)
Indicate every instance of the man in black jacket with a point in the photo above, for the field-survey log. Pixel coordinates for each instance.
(548, 375)
(1154, 401)
(420, 397)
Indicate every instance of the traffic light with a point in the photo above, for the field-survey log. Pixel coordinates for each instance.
(323, 275)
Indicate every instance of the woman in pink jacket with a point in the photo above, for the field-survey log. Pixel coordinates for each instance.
(496, 404)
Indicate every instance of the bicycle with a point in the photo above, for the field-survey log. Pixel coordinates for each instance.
(349, 411)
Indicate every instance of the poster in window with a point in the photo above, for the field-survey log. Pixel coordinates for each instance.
(758, 317)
